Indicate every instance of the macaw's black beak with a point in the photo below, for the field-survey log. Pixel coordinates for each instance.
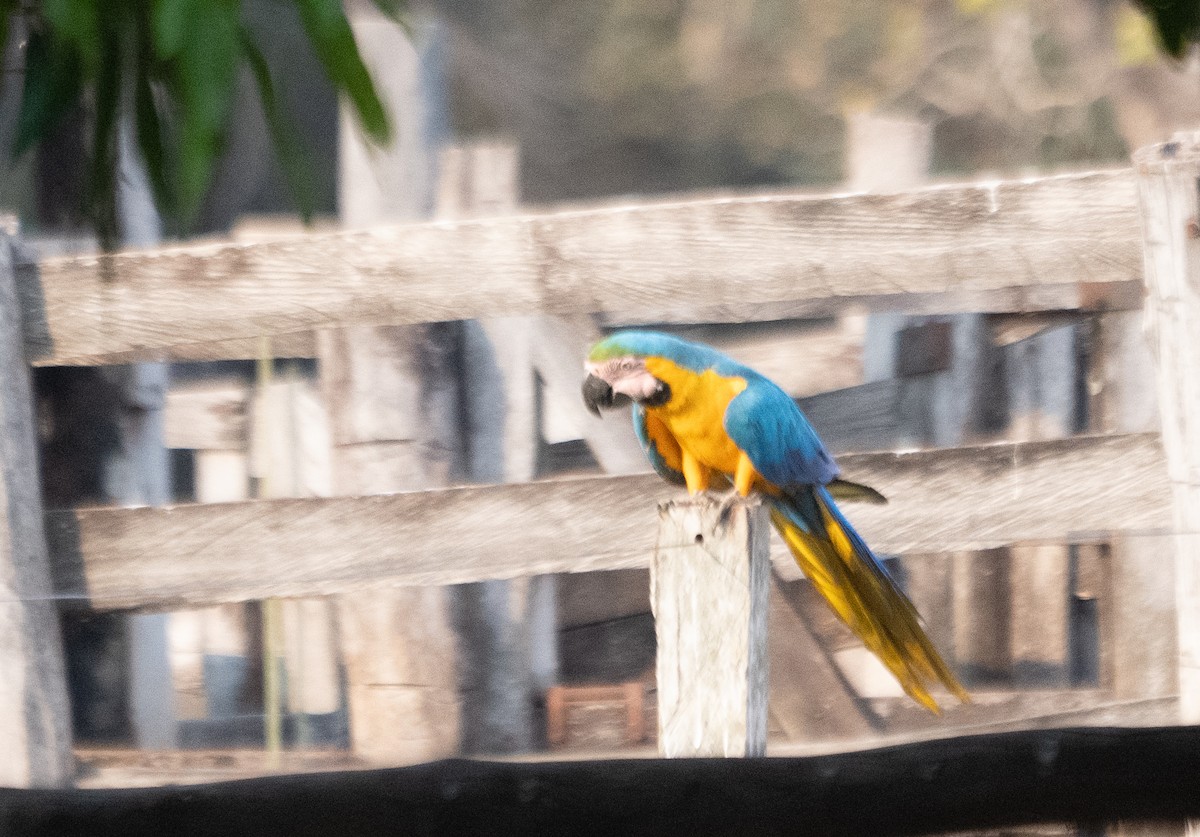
(598, 395)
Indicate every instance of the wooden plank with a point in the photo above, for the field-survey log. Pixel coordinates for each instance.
(942, 500)
(395, 400)
(1057, 242)
(982, 614)
(931, 787)
(1042, 378)
(290, 455)
(885, 153)
(809, 697)
(1116, 295)
(1137, 617)
(35, 716)
(708, 586)
(591, 598)
(208, 415)
(500, 637)
(500, 420)
(860, 418)
(804, 357)
(1168, 178)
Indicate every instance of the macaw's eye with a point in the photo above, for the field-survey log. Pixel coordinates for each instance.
(628, 364)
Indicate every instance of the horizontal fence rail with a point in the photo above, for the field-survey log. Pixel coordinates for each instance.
(1085, 776)
(1063, 242)
(940, 500)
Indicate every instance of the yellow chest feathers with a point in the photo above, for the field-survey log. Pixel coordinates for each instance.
(695, 413)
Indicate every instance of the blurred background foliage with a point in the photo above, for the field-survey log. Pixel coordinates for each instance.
(605, 97)
(645, 95)
(162, 76)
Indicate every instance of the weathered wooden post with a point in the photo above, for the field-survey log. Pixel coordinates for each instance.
(1138, 625)
(394, 406)
(34, 714)
(1169, 193)
(709, 585)
(493, 618)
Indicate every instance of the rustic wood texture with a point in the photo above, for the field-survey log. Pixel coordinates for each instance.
(291, 456)
(1138, 625)
(859, 418)
(709, 582)
(208, 415)
(394, 399)
(885, 153)
(35, 717)
(968, 783)
(804, 357)
(1058, 242)
(631, 696)
(967, 498)
(500, 412)
(1168, 191)
(1042, 375)
(222, 476)
(809, 697)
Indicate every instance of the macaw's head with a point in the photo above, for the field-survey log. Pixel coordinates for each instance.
(617, 373)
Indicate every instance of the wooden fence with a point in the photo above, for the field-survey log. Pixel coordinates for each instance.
(1068, 243)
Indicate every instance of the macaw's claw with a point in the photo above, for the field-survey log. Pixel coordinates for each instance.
(732, 500)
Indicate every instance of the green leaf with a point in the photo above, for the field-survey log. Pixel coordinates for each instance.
(53, 86)
(396, 10)
(102, 186)
(296, 165)
(6, 13)
(203, 78)
(333, 41)
(8, 8)
(78, 23)
(149, 123)
(172, 19)
(1177, 22)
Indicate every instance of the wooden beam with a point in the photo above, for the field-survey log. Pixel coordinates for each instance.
(1058, 242)
(933, 787)
(708, 586)
(942, 500)
(35, 716)
(1169, 191)
(395, 400)
(208, 415)
(859, 418)
(810, 697)
(1138, 619)
(496, 636)
(805, 357)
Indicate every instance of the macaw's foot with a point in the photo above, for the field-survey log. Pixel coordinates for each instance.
(729, 502)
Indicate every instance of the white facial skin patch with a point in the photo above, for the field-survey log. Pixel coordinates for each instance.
(627, 376)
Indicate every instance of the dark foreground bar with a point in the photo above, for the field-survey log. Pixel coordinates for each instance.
(1071, 775)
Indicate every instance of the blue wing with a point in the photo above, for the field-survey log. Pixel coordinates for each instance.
(765, 423)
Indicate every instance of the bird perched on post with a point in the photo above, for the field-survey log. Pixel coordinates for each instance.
(705, 421)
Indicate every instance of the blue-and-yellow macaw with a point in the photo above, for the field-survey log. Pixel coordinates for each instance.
(701, 417)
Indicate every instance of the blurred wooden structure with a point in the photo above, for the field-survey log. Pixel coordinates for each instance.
(629, 696)
(1054, 263)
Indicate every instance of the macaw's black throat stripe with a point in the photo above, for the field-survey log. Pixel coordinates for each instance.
(661, 396)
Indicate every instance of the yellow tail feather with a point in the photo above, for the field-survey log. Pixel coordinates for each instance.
(869, 602)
